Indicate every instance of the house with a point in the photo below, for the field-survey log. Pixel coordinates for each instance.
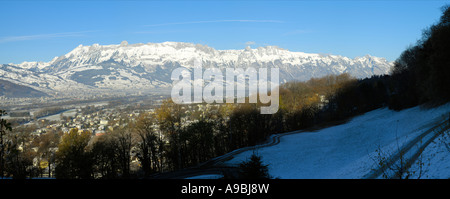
(103, 122)
(99, 132)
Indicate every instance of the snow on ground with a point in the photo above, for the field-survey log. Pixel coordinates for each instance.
(435, 158)
(348, 150)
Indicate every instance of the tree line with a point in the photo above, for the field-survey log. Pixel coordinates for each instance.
(421, 72)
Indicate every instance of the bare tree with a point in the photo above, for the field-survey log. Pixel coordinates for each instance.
(124, 144)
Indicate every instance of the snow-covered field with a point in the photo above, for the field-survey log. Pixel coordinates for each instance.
(436, 159)
(349, 150)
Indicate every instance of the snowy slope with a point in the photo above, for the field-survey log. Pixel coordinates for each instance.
(348, 150)
(131, 67)
(436, 158)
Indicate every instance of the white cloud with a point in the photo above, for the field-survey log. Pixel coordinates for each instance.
(43, 36)
(216, 21)
(249, 43)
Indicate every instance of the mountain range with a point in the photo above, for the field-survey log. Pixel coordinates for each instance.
(133, 68)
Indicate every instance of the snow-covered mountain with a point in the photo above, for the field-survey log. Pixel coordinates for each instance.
(145, 67)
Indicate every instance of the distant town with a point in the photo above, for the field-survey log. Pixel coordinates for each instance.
(95, 116)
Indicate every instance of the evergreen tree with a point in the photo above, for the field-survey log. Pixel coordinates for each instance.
(254, 169)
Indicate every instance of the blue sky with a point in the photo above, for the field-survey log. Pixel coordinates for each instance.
(41, 30)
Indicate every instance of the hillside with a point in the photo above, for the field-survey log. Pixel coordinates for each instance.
(9, 89)
(350, 150)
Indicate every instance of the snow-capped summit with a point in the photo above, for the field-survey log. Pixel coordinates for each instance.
(128, 67)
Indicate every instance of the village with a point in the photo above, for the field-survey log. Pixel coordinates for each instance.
(98, 120)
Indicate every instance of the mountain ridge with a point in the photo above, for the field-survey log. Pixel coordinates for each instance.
(131, 67)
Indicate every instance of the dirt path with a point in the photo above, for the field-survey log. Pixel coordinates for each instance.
(408, 154)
